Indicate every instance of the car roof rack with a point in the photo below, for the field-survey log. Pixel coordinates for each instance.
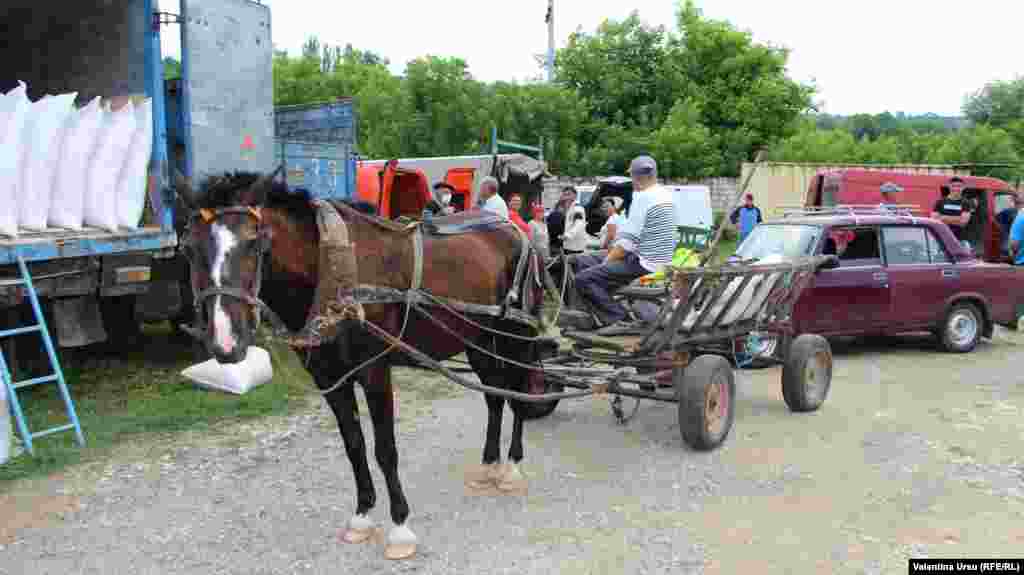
(905, 210)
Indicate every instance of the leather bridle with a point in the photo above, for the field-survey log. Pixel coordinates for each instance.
(208, 216)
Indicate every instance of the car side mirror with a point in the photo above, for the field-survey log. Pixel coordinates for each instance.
(831, 262)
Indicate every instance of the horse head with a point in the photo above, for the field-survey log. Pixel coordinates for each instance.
(225, 241)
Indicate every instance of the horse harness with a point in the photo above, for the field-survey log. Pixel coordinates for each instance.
(363, 294)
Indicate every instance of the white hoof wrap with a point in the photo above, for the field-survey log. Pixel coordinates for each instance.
(361, 523)
(401, 543)
(401, 535)
(360, 529)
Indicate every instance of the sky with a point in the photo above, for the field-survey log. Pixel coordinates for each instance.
(869, 56)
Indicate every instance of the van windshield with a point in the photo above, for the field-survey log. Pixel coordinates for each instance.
(779, 242)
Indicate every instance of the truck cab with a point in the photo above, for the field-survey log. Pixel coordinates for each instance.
(992, 198)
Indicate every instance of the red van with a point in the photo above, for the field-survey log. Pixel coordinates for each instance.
(861, 187)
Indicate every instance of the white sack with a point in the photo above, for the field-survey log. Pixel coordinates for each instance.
(115, 136)
(131, 184)
(14, 107)
(237, 378)
(69, 182)
(41, 150)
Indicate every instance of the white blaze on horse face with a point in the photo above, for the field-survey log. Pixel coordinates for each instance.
(226, 241)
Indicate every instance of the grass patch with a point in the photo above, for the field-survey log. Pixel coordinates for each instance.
(126, 395)
(725, 248)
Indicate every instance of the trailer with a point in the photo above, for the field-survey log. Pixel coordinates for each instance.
(101, 285)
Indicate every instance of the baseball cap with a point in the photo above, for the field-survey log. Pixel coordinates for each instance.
(444, 185)
(643, 166)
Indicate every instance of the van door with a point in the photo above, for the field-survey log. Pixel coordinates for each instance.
(228, 96)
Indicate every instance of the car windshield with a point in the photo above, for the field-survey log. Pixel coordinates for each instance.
(779, 242)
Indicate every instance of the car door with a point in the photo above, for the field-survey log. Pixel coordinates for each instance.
(853, 298)
(921, 275)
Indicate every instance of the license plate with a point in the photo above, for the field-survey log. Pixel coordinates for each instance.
(134, 274)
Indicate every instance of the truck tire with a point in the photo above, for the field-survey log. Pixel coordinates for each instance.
(807, 373)
(961, 328)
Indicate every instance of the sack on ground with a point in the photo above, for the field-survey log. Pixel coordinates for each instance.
(6, 430)
(13, 111)
(237, 378)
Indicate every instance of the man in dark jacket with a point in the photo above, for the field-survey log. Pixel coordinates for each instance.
(746, 216)
(556, 219)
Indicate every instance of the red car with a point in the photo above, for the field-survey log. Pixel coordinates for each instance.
(895, 274)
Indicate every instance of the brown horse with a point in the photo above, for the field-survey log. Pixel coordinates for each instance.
(254, 245)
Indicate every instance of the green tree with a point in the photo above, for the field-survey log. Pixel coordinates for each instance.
(740, 86)
(172, 68)
(997, 104)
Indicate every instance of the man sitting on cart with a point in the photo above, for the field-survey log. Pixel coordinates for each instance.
(644, 244)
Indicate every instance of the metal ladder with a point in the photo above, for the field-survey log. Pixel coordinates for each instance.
(56, 377)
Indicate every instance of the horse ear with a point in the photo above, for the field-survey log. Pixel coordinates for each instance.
(256, 194)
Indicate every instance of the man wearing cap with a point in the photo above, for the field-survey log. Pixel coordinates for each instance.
(644, 244)
(951, 209)
(746, 216)
(888, 190)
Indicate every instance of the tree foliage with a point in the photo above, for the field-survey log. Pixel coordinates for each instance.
(702, 97)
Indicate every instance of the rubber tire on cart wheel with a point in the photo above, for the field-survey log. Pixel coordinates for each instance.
(807, 373)
(705, 387)
(959, 318)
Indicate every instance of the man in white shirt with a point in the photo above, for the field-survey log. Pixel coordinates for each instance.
(489, 198)
(644, 244)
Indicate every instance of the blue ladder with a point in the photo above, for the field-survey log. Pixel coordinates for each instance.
(57, 375)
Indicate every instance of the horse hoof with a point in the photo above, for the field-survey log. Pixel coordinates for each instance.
(401, 543)
(360, 529)
(513, 481)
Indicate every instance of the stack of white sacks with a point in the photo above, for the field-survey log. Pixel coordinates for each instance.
(67, 167)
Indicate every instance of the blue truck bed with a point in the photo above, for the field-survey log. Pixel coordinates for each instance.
(52, 245)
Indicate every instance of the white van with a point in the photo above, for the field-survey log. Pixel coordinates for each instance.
(693, 206)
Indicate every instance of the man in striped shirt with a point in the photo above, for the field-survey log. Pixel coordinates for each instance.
(643, 245)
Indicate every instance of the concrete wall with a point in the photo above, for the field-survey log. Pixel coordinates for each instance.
(58, 46)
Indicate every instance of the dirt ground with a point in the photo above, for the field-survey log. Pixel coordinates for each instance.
(915, 453)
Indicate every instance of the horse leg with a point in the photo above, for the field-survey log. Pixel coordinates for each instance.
(342, 402)
(486, 477)
(401, 541)
(512, 480)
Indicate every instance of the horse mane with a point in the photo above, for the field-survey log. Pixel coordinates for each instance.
(221, 191)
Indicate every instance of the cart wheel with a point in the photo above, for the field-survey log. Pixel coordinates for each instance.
(707, 390)
(807, 373)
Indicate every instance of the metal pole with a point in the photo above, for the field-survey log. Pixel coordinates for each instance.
(551, 41)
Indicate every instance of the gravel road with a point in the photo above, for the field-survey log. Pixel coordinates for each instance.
(915, 453)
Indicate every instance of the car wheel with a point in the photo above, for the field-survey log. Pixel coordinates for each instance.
(961, 329)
